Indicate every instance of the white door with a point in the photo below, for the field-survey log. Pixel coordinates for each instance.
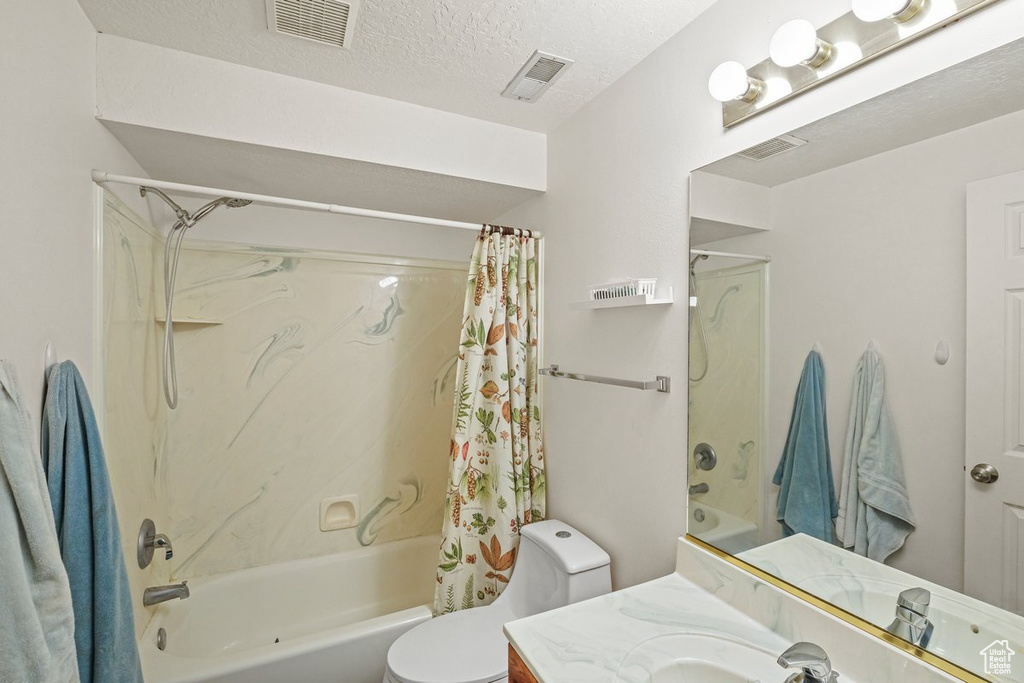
(994, 459)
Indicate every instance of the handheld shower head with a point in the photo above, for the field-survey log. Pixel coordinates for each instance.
(229, 202)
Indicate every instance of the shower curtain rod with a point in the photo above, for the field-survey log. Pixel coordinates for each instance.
(100, 177)
(726, 254)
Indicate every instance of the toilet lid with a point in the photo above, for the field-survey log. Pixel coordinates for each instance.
(462, 647)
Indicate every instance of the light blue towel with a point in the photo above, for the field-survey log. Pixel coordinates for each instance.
(86, 522)
(874, 516)
(37, 625)
(807, 495)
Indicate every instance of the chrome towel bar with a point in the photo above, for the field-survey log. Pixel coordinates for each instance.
(662, 383)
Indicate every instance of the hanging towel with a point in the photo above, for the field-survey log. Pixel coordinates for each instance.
(874, 516)
(37, 626)
(807, 495)
(86, 523)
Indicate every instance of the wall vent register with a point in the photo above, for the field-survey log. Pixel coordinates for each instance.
(322, 21)
(773, 147)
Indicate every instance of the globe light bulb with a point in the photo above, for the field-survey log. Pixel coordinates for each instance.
(796, 42)
(729, 81)
(894, 10)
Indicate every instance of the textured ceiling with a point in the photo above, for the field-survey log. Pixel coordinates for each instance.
(454, 55)
(963, 95)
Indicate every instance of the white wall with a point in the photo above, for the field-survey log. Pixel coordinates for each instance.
(155, 87)
(616, 204)
(875, 250)
(49, 140)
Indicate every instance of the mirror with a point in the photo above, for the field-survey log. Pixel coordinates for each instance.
(856, 314)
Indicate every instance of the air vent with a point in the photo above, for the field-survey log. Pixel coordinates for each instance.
(536, 76)
(770, 148)
(322, 21)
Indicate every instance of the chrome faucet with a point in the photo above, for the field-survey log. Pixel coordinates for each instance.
(812, 661)
(911, 623)
(699, 488)
(157, 594)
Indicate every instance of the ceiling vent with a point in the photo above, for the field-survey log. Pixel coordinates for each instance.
(536, 76)
(322, 21)
(773, 147)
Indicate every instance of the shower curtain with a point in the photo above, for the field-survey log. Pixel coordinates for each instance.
(496, 481)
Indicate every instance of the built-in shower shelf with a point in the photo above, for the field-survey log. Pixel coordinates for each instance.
(189, 321)
(624, 301)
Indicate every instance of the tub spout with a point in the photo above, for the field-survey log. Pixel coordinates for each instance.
(157, 594)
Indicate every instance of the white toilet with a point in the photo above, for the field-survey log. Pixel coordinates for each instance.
(556, 566)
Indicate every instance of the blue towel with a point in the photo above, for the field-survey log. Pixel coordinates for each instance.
(90, 543)
(807, 494)
(37, 624)
(875, 517)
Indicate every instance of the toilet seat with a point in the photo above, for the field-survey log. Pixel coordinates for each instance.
(461, 647)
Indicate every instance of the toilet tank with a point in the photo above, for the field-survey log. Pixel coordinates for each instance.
(556, 566)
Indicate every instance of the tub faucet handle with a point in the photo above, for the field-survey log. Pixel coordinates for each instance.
(161, 541)
(150, 540)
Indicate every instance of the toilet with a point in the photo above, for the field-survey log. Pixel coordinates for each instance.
(557, 566)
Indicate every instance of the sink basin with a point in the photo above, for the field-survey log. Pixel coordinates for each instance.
(963, 626)
(685, 658)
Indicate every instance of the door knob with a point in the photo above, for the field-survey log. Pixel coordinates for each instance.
(984, 473)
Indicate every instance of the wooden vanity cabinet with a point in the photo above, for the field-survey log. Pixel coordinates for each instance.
(517, 671)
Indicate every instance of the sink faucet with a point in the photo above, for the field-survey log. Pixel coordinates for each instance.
(911, 623)
(699, 488)
(812, 661)
(157, 594)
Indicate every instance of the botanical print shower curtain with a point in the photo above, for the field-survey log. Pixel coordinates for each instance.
(496, 481)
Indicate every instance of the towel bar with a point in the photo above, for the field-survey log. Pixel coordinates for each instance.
(661, 383)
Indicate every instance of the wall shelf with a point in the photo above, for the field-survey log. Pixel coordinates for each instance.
(625, 301)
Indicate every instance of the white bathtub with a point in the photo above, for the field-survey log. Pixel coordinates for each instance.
(309, 621)
(723, 530)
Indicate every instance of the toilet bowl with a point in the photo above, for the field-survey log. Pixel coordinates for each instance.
(557, 566)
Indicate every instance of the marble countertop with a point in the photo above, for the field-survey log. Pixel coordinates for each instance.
(593, 641)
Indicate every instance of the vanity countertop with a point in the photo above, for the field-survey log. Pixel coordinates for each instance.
(612, 637)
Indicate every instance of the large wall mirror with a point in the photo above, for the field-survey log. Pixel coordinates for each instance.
(857, 315)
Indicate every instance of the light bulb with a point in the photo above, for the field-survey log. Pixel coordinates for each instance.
(896, 10)
(729, 81)
(797, 42)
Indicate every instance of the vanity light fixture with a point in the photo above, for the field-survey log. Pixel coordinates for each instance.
(729, 81)
(797, 42)
(802, 57)
(895, 10)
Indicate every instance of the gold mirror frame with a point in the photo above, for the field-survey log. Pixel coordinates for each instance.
(867, 627)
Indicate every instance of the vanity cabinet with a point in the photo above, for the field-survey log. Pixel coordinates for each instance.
(517, 671)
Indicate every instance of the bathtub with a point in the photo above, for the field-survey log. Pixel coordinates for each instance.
(323, 619)
(723, 530)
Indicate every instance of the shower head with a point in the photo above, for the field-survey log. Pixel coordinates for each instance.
(698, 257)
(187, 220)
(229, 202)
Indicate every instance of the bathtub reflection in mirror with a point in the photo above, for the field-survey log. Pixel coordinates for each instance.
(895, 229)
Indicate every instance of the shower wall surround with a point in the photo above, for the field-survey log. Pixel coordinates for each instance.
(133, 406)
(303, 375)
(313, 375)
(727, 405)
